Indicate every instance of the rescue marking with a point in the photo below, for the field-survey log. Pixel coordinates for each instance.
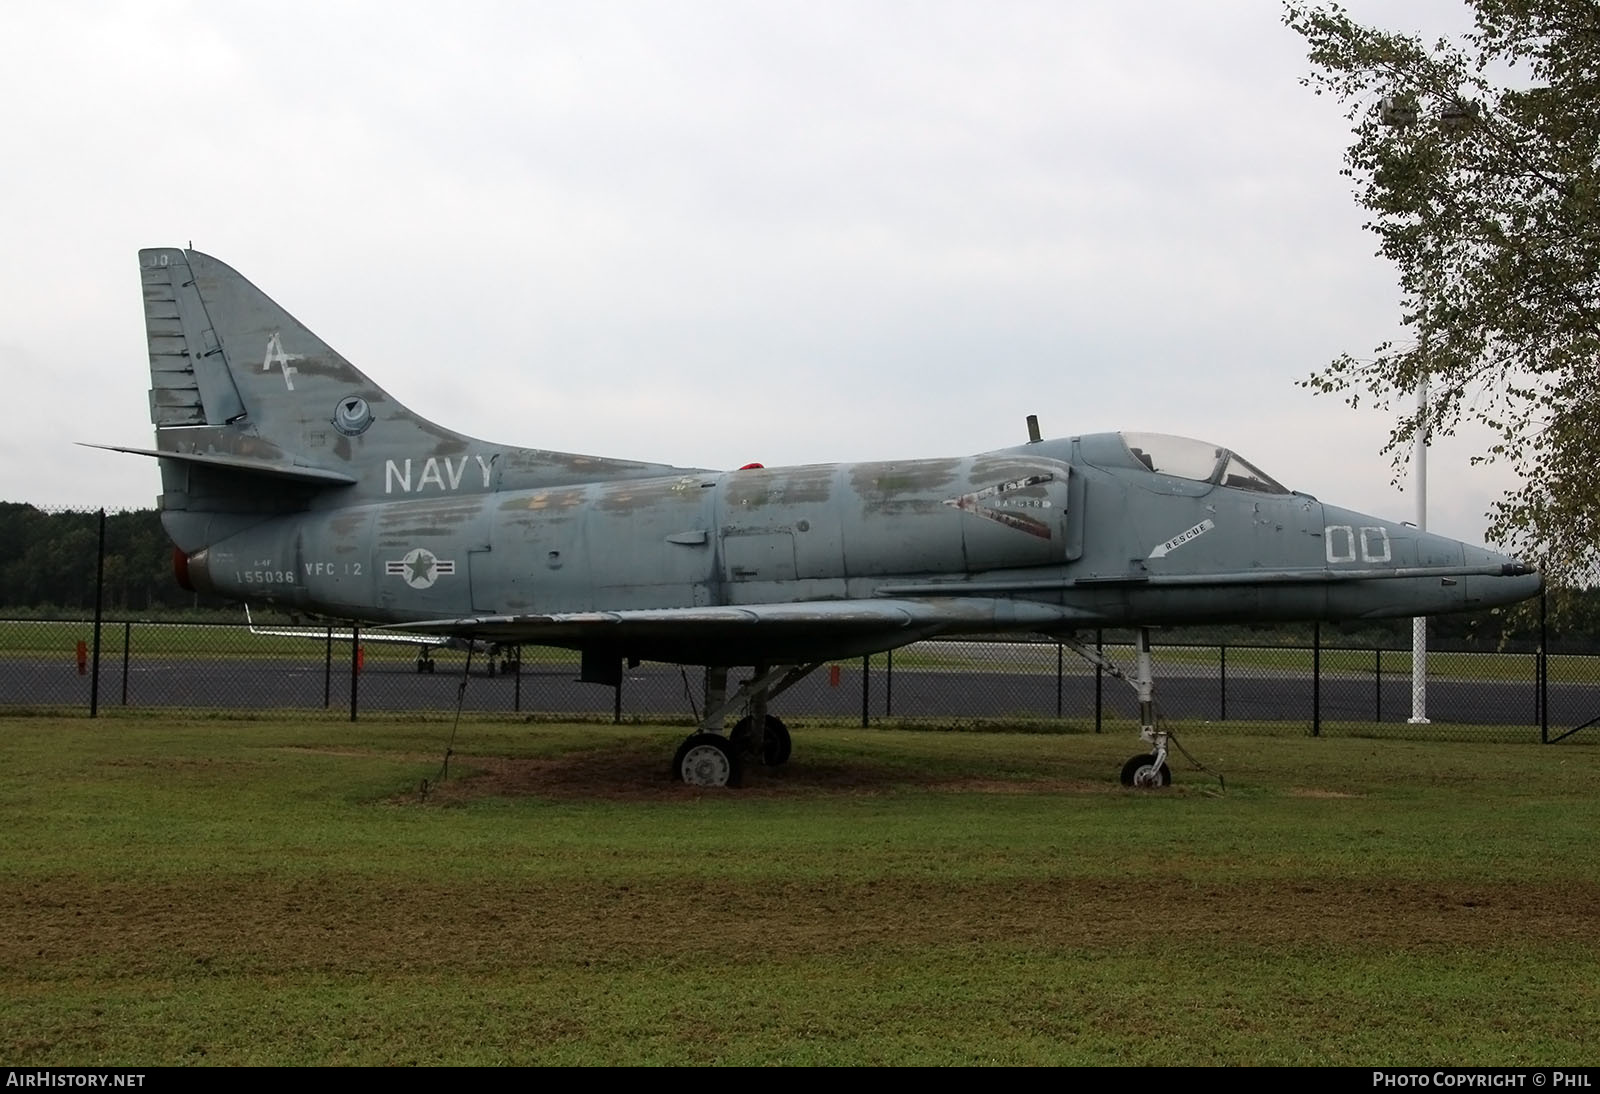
(420, 567)
(1181, 538)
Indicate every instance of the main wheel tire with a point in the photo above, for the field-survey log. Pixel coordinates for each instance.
(707, 759)
(1140, 770)
(776, 744)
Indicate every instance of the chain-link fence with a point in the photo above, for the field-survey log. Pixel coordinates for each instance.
(160, 647)
(1289, 686)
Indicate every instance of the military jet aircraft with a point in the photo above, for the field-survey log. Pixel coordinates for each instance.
(289, 477)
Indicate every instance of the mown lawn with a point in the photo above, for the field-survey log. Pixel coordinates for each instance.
(186, 890)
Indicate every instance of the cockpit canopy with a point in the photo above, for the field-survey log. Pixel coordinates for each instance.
(1186, 458)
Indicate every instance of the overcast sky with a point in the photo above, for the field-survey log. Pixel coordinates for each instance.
(710, 233)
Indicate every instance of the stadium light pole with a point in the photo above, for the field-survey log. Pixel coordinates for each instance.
(1454, 116)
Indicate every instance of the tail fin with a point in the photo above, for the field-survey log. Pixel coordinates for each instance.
(242, 394)
(233, 375)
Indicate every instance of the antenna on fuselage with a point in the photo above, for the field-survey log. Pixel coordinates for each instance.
(1033, 429)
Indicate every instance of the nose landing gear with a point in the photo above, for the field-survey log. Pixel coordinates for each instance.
(1148, 770)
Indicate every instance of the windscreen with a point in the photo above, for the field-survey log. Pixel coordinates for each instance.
(1186, 458)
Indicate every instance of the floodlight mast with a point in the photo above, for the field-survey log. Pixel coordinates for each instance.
(1400, 111)
(1419, 624)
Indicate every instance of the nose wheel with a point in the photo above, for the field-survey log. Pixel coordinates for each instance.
(1146, 772)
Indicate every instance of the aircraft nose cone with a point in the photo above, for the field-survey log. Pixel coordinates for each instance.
(1508, 580)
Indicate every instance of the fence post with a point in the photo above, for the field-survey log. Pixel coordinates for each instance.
(1223, 662)
(127, 637)
(888, 684)
(1377, 684)
(1316, 679)
(1099, 675)
(1542, 675)
(1058, 679)
(327, 672)
(99, 598)
(355, 665)
(866, 664)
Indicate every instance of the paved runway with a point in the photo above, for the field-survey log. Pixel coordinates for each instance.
(1185, 692)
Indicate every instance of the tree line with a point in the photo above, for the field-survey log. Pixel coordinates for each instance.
(48, 559)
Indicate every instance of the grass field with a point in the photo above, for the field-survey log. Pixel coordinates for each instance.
(281, 891)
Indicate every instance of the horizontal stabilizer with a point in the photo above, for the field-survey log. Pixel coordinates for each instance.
(315, 475)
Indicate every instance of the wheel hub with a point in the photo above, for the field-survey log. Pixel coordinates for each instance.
(706, 765)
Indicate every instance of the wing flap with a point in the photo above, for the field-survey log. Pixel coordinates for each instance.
(887, 623)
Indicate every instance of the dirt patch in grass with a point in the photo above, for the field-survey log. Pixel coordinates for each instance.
(631, 774)
(363, 924)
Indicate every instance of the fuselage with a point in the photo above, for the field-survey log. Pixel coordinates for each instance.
(1078, 522)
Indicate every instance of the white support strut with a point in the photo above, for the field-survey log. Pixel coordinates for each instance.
(1143, 683)
(1419, 625)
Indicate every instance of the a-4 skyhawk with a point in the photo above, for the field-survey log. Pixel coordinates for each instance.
(289, 477)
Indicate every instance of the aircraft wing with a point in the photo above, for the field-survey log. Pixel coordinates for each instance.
(814, 629)
(1308, 576)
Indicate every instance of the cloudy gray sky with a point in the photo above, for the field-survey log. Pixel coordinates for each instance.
(708, 233)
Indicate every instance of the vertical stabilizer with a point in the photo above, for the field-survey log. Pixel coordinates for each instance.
(243, 397)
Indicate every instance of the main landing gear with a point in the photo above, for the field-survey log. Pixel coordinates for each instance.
(709, 757)
(775, 743)
(1149, 770)
(510, 660)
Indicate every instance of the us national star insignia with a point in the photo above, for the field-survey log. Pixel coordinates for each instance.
(420, 568)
